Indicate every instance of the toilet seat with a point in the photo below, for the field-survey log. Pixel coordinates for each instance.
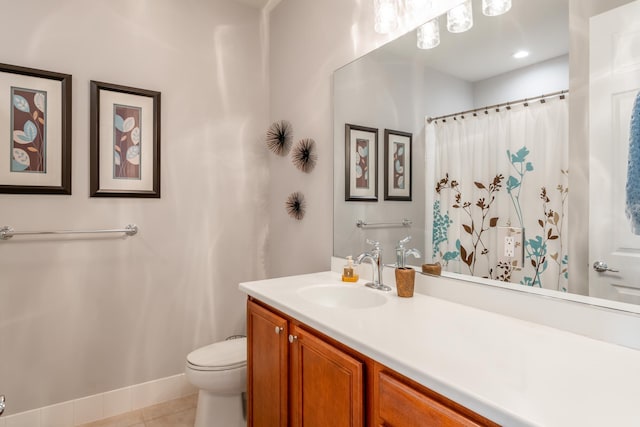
(219, 356)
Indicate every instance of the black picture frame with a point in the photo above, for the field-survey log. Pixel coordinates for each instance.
(398, 154)
(46, 135)
(361, 163)
(106, 98)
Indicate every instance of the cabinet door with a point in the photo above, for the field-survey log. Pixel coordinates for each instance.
(326, 383)
(267, 360)
(400, 405)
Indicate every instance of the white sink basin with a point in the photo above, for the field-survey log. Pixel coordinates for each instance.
(343, 296)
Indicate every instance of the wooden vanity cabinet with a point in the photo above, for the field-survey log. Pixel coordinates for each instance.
(267, 367)
(326, 383)
(401, 402)
(297, 378)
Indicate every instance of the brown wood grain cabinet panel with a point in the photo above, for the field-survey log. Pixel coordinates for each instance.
(267, 360)
(401, 404)
(326, 384)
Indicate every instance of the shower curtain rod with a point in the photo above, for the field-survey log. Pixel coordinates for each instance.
(524, 101)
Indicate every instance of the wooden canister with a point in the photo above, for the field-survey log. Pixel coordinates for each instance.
(433, 269)
(405, 281)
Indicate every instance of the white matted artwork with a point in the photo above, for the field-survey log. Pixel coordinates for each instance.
(125, 141)
(397, 165)
(361, 163)
(35, 106)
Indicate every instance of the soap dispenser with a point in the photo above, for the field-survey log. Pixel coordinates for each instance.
(405, 276)
(349, 273)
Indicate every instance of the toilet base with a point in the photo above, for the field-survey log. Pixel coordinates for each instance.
(217, 410)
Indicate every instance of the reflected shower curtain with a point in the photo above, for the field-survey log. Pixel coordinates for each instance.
(499, 194)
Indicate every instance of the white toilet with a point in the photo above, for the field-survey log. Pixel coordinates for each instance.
(219, 370)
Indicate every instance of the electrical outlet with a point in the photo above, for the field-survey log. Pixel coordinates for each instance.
(509, 246)
(510, 251)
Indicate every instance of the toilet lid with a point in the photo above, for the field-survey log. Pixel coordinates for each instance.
(221, 355)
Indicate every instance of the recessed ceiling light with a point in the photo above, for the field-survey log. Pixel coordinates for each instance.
(521, 54)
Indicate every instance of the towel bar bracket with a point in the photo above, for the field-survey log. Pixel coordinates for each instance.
(6, 232)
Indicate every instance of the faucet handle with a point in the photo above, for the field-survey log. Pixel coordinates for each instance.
(402, 252)
(373, 243)
(404, 241)
(413, 252)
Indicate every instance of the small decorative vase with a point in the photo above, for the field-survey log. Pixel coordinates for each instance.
(433, 269)
(405, 281)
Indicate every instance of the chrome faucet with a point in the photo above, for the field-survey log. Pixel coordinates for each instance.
(375, 258)
(402, 253)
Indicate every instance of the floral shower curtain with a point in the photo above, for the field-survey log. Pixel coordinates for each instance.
(500, 204)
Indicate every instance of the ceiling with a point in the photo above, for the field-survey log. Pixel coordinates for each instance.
(541, 27)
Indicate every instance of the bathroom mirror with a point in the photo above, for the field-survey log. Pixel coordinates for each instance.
(397, 86)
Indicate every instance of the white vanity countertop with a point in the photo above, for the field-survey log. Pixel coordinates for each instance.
(514, 372)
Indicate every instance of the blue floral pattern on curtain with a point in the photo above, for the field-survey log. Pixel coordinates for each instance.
(503, 169)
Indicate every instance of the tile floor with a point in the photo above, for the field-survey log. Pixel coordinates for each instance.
(174, 413)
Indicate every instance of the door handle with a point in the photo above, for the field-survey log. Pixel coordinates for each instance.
(601, 267)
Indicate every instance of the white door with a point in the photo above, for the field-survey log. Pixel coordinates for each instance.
(614, 83)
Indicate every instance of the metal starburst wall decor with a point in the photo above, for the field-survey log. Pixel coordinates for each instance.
(279, 137)
(304, 155)
(296, 205)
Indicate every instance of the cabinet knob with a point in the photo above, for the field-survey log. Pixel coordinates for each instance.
(279, 329)
(293, 338)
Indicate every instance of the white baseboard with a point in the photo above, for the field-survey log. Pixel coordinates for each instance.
(102, 405)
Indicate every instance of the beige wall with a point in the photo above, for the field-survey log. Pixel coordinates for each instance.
(84, 316)
(309, 39)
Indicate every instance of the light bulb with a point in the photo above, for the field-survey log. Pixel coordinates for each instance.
(416, 7)
(460, 18)
(495, 7)
(429, 34)
(386, 16)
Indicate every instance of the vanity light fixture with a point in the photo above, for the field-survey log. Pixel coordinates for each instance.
(520, 54)
(429, 34)
(386, 15)
(460, 18)
(416, 7)
(495, 7)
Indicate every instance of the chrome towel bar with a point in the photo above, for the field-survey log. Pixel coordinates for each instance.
(363, 224)
(7, 232)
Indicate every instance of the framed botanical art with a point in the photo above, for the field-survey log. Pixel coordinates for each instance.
(397, 165)
(125, 141)
(35, 117)
(361, 163)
